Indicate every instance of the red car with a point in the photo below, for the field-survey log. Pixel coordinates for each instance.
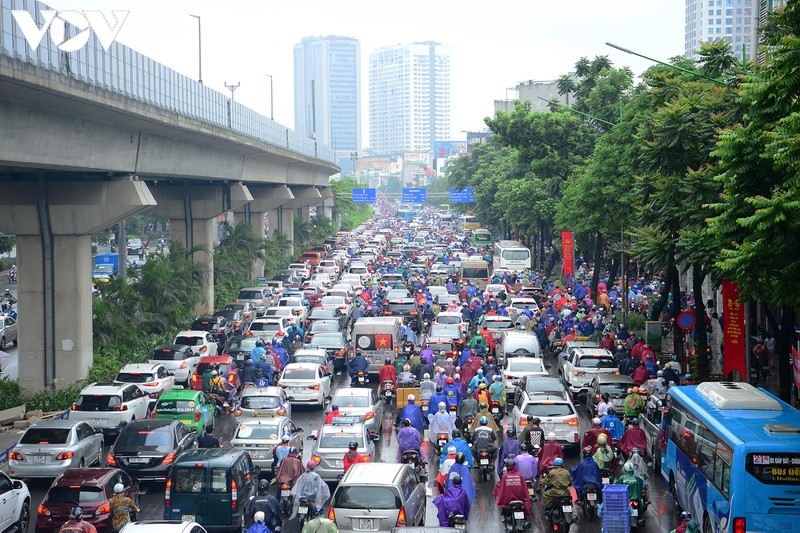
(90, 489)
(227, 367)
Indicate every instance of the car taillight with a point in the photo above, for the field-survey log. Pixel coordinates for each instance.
(238, 412)
(230, 377)
(739, 525)
(168, 460)
(183, 365)
(203, 349)
(331, 514)
(16, 456)
(313, 387)
(153, 414)
(103, 509)
(579, 372)
(110, 461)
(573, 421)
(194, 378)
(369, 416)
(151, 384)
(197, 416)
(63, 456)
(42, 510)
(122, 407)
(523, 421)
(75, 407)
(234, 494)
(401, 518)
(281, 412)
(167, 492)
(317, 459)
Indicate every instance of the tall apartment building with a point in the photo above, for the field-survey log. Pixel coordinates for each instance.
(737, 21)
(409, 97)
(327, 91)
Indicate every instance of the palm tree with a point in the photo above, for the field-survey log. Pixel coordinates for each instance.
(582, 67)
(716, 59)
(566, 86)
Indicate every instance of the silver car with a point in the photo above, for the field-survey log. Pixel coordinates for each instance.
(260, 436)
(262, 402)
(8, 331)
(363, 405)
(333, 442)
(50, 447)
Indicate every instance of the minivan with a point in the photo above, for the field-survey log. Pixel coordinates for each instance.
(519, 343)
(212, 487)
(378, 497)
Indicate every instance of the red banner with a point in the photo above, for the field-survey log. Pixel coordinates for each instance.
(567, 253)
(734, 330)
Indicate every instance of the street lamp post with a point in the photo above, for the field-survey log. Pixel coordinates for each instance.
(271, 100)
(232, 88)
(199, 50)
(685, 71)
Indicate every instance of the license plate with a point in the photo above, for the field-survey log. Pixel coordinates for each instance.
(442, 442)
(484, 461)
(566, 508)
(302, 510)
(388, 394)
(187, 518)
(258, 454)
(461, 526)
(240, 357)
(519, 515)
(187, 422)
(548, 427)
(39, 459)
(97, 421)
(591, 496)
(138, 460)
(361, 379)
(495, 410)
(285, 493)
(606, 481)
(365, 523)
(339, 464)
(263, 413)
(298, 389)
(634, 512)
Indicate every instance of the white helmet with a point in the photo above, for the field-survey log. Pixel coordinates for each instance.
(258, 516)
(426, 376)
(628, 467)
(118, 488)
(551, 436)
(442, 406)
(411, 397)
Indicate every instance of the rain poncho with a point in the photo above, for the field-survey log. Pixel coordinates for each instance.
(634, 437)
(586, 472)
(461, 447)
(634, 483)
(408, 439)
(558, 481)
(414, 414)
(290, 470)
(490, 421)
(452, 395)
(527, 465)
(453, 501)
(441, 422)
(498, 392)
(467, 408)
(310, 486)
(466, 479)
(512, 487)
(509, 450)
(550, 451)
(427, 389)
(614, 426)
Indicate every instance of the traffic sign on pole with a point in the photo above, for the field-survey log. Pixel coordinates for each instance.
(466, 196)
(415, 196)
(364, 196)
(686, 320)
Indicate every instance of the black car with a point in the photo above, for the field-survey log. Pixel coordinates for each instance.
(335, 344)
(146, 449)
(239, 347)
(219, 327)
(326, 313)
(321, 326)
(405, 308)
(235, 318)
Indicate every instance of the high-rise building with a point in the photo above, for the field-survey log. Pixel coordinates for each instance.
(736, 21)
(327, 92)
(409, 97)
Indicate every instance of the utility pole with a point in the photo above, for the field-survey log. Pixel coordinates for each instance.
(232, 88)
(199, 50)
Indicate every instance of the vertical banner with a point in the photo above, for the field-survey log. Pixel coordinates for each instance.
(796, 367)
(567, 253)
(733, 333)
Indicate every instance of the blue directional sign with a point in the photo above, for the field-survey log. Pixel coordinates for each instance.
(363, 196)
(466, 196)
(415, 196)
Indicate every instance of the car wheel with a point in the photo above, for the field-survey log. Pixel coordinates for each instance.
(24, 517)
(82, 463)
(2, 343)
(15, 342)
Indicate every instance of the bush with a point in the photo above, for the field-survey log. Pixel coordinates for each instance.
(635, 322)
(10, 394)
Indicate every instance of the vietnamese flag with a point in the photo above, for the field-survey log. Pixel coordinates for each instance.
(383, 342)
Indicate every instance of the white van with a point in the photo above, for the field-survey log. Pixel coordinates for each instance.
(377, 338)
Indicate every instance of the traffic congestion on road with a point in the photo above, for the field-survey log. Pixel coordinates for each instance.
(400, 376)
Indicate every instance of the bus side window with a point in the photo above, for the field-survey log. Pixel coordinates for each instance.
(722, 469)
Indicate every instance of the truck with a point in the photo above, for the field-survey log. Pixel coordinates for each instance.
(105, 266)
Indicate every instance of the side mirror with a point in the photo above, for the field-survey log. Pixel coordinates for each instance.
(193, 429)
(374, 437)
(311, 437)
(256, 470)
(290, 398)
(547, 367)
(298, 430)
(17, 484)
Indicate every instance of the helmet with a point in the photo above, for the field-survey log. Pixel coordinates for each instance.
(686, 515)
(293, 449)
(558, 461)
(334, 407)
(523, 448)
(602, 439)
(258, 516)
(619, 346)
(259, 343)
(660, 374)
(451, 450)
(483, 421)
(634, 421)
(286, 438)
(587, 451)
(457, 376)
(450, 380)
(263, 484)
(214, 373)
(480, 371)
(118, 488)
(611, 410)
(311, 465)
(628, 467)
(406, 422)
(551, 436)
(498, 377)
(460, 458)
(426, 376)
(482, 385)
(483, 405)
(688, 376)
(490, 359)
(456, 479)
(649, 357)
(456, 433)
(407, 368)
(411, 398)
(388, 361)
(76, 513)
(353, 445)
(596, 421)
(442, 406)
(509, 462)
(510, 432)
(636, 390)
(535, 420)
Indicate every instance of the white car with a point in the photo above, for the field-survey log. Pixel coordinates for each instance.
(301, 269)
(152, 378)
(353, 279)
(582, 365)
(296, 315)
(453, 317)
(555, 413)
(15, 503)
(270, 327)
(339, 302)
(305, 383)
(110, 406)
(49, 447)
(515, 368)
(442, 294)
(496, 289)
(328, 266)
(517, 305)
(162, 526)
(201, 342)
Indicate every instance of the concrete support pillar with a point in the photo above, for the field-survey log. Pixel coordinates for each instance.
(304, 213)
(287, 226)
(202, 232)
(256, 223)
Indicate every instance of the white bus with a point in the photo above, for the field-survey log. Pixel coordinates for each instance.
(511, 255)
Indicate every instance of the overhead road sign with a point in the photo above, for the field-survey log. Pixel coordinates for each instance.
(415, 196)
(465, 196)
(364, 196)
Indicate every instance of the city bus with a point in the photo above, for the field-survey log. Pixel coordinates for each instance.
(466, 222)
(482, 237)
(511, 255)
(730, 454)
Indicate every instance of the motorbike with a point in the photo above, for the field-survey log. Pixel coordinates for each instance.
(514, 517)
(606, 475)
(12, 275)
(408, 348)
(637, 508)
(531, 489)
(559, 514)
(411, 457)
(466, 430)
(589, 500)
(304, 511)
(458, 521)
(497, 412)
(387, 391)
(360, 379)
(485, 464)
(286, 499)
(440, 442)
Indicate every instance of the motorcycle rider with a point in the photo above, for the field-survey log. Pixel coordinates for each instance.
(509, 450)
(427, 388)
(408, 438)
(219, 386)
(290, 470)
(334, 413)
(686, 517)
(635, 485)
(250, 373)
(454, 501)
(590, 437)
(122, 507)
(352, 456)
(532, 435)
(76, 524)
(357, 364)
(406, 378)
(497, 390)
(427, 354)
(412, 412)
(310, 486)
(257, 351)
(634, 437)
(482, 394)
(511, 487)
(280, 452)
(400, 362)
(613, 424)
(468, 408)
(266, 503)
(477, 380)
(462, 446)
(527, 464)
(484, 438)
(557, 483)
(451, 394)
(459, 468)
(258, 525)
(441, 422)
(634, 404)
(484, 412)
(387, 373)
(587, 473)
(604, 454)
(550, 452)
(434, 401)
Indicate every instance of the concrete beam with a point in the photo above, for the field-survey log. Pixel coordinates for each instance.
(266, 198)
(304, 196)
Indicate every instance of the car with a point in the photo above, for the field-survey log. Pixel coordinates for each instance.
(49, 447)
(557, 415)
(259, 297)
(517, 304)
(162, 526)
(326, 313)
(152, 378)
(245, 310)
(363, 405)
(201, 342)
(239, 348)
(391, 279)
(89, 488)
(178, 359)
(8, 331)
(378, 497)
(614, 384)
(326, 279)
(146, 449)
(301, 270)
(110, 406)
(329, 266)
(495, 288)
(259, 436)
(545, 385)
(235, 318)
(224, 364)
(15, 504)
(339, 300)
(332, 441)
(516, 343)
(219, 327)
(134, 246)
(296, 315)
(306, 383)
(311, 353)
(580, 367)
(287, 276)
(441, 295)
(353, 279)
(442, 346)
(335, 344)
(269, 328)
(453, 318)
(192, 408)
(449, 331)
(321, 326)
(568, 347)
(498, 326)
(257, 402)
(515, 368)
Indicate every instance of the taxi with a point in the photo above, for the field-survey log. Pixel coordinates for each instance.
(191, 407)
(306, 383)
(262, 402)
(333, 441)
(259, 436)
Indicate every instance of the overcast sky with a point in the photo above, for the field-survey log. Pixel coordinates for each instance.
(494, 45)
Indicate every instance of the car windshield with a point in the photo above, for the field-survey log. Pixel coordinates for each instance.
(191, 480)
(189, 341)
(323, 325)
(474, 272)
(524, 366)
(340, 440)
(309, 358)
(257, 431)
(45, 436)
(72, 494)
(615, 390)
(221, 368)
(261, 402)
(244, 343)
(202, 325)
(448, 319)
(498, 324)
(328, 340)
(174, 405)
(135, 377)
(596, 362)
(401, 308)
(97, 402)
(322, 313)
(264, 326)
(156, 440)
(548, 409)
(166, 354)
(300, 373)
(368, 497)
(250, 295)
(352, 401)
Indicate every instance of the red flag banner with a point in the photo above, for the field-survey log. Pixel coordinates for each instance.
(383, 342)
(734, 330)
(567, 253)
